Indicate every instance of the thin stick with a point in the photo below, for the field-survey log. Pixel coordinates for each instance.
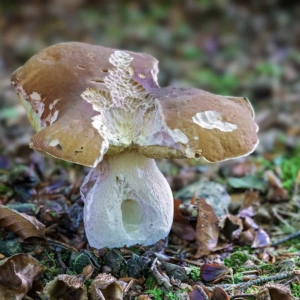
(61, 244)
(161, 280)
(286, 238)
(257, 281)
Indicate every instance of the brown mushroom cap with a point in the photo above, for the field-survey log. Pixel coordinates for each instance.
(52, 82)
(179, 106)
(175, 122)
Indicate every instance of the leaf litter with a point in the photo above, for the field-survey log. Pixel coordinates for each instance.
(225, 251)
(251, 239)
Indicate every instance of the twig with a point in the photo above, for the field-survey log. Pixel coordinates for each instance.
(257, 281)
(161, 280)
(61, 244)
(128, 286)
(203, 294)
(62, 264)
(192, 262)
(275, 213)
(243, 296)
(286, 238)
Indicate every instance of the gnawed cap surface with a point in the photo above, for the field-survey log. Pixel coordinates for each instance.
(216, 127)
(87, 101)
(50, 85)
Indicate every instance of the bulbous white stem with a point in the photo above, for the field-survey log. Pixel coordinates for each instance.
(127, 201)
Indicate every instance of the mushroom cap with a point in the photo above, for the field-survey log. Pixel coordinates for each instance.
(217, 127)
(88, 101)
(50, 85)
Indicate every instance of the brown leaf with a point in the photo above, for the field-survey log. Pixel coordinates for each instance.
(249, 223)
(66, 287)
(251, 198)
(105, 287)
(143, 297)
(87, 272)
(184, 231)
(17, 274)
(231, 227)
(262, 239)
(272, 179)
(279, 292)
(276, 194)
(212, 272)
(246, 238)
(23, 225)
(199, 292)
(219, 294)
(177, 214)
(207, 230)
(274, 292)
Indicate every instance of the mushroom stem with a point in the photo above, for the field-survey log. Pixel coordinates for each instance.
(127, 201)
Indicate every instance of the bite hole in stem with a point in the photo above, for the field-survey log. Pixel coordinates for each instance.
(132, 214)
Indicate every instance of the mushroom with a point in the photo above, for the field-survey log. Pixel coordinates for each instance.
(103, 108)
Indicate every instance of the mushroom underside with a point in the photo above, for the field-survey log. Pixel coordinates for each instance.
(127, 201)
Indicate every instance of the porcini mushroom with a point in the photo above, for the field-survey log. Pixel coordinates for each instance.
(103, 108)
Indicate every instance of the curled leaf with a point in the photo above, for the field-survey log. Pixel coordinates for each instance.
(66, 287)
(212, 272)
(232, 227)
(105, 286)
(262, 239)
(207, 230)
(184, 231)
(87, 272)
(199, 293)
(219, 294)
(23, 225)
(274, 292)
(17, 274)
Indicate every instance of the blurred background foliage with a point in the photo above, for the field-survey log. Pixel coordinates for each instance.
(240, 48)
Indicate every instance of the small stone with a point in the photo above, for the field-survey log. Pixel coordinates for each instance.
(106, 269)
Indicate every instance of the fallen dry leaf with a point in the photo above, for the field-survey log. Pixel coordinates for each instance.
(275, 292)
(231, 227)
(17, 274)
(105, 287)
(246, 238)
(207, 230)
(219, 294)
(251, 198)
(177, 214)
(143, 297)
(23, 225)
(261, 239)
(199, 292)
(87, 272)
(66, 287)
(184, 231)
(213, 272)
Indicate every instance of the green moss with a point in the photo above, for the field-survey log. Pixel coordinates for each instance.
(156, 293)
(295, 290)
(236, 259)
(195, 273)
(150, 283)
(252, 290)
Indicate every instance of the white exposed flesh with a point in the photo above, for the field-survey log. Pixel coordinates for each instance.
(211, 119)
(127, 201)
